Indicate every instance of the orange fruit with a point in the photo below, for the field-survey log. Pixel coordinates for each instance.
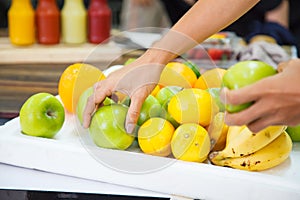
(210, 79)
(190, 142)
(192, 106)
(74, 80)
(177, 74)
(154, 136)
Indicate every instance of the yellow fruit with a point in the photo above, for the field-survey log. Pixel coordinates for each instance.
(192, 106)
(210, 79)
(177, 74)
(74, 80)
(155, 90)
(190, 142)
(217, 131)
(155, 135)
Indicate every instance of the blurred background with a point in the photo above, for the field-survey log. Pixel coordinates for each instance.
(115, 6)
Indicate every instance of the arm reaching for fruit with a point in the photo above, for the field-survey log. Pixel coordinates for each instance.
(140, 77)
(276, 99)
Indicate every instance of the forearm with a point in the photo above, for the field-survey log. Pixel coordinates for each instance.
(205, 18)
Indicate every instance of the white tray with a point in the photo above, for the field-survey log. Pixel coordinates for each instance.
(72, 153)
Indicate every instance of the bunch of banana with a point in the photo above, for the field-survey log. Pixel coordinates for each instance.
(253, 151)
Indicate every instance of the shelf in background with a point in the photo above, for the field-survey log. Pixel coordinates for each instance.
(37, 68)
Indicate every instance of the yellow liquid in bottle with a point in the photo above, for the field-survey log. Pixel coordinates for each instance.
(21, 24)
(74, 22)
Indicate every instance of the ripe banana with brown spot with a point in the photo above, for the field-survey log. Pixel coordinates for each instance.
(243, 142)
(267, 157)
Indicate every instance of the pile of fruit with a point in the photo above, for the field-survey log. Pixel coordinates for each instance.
(182, 118)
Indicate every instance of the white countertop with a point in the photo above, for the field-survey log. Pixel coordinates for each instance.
(18, 178)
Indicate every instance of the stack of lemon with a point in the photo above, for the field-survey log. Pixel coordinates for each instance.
(190, 107)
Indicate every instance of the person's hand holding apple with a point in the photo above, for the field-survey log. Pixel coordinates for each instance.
(275, 100)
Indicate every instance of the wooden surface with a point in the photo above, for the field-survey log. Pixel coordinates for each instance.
(60, 53)
(37, 68)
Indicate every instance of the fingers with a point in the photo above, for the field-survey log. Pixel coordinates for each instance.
(100, 93)
(240, 96)
(133, 113)
(248, 116)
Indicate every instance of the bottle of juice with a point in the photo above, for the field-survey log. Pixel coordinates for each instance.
(99, 21)
(21, 23)
(74, 22)
(47, 22)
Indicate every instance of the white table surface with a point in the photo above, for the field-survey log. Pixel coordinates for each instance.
(18, 178)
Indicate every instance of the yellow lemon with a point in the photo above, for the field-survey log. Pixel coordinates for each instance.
(190, 142)
(192, 106)
(210, 79)
(155, 135)
(177, 74)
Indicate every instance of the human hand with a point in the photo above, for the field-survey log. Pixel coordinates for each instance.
(136, 80)
(276, 100)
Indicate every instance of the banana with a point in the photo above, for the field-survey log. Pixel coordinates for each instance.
(269, 156)
(233, 132)
(217, 131)
(246, 142)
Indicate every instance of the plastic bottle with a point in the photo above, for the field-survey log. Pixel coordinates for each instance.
(74, 22)
(99, 21)
(48, 22)
(21, 23)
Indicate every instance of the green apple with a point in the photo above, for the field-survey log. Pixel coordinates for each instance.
(42, 115)
(242, 74)
(294, 132)
(166, 115)
(150, 108)
(83, 100)
(82, 103)
(166, 93)
(107, 127)
(215, 94)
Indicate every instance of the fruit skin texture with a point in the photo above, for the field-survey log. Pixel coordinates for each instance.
(267, 157)
(190, 142)
(192, 106)
(211, 78)
(42, 115)
(75, 79)
(294, 132)
(82, 103)
(177, 74)
(193, 67)
(150, 108)
(215, 94)
(107, 127)
(155, 135)
(217, 130)
(246, 142)
(242, 74)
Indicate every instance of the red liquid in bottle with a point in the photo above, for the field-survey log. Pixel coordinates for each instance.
(99, 21)
(48, 22)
